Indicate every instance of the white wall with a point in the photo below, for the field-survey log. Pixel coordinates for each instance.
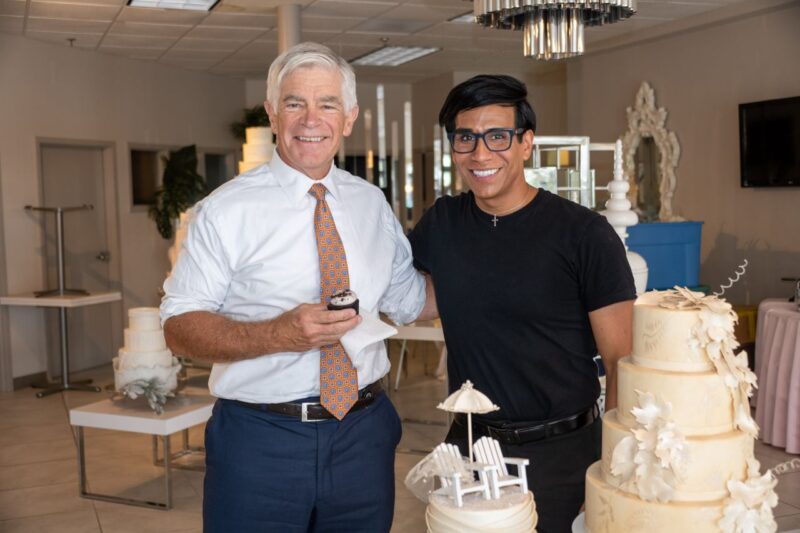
(700, 77)
(547, 94)
(55, 92)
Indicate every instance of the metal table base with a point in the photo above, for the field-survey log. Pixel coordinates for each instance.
(167, 461)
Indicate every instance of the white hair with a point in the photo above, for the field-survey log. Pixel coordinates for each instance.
(308, 55)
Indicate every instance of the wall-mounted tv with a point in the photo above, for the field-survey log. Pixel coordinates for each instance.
(769, 143)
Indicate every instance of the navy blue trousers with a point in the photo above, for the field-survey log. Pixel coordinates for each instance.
(267, 472)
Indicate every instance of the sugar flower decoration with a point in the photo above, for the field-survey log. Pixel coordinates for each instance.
(714, 334)
(438, 463)
(654, 458)
(154, 390)
(748, 509)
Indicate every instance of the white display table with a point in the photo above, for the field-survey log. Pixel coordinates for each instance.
(54, 300)
(62, 302)
(180, 414)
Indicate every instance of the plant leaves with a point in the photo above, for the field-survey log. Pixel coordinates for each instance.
(181, 188)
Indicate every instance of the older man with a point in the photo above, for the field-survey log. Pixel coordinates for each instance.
(302, 437)
(530, 287)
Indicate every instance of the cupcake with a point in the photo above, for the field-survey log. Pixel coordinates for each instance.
(346, 299)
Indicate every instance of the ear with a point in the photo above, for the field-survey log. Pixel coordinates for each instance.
(349, 120)
(270, 114)
(527, 144)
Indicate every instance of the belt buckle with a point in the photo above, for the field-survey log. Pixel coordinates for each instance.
(304, 412)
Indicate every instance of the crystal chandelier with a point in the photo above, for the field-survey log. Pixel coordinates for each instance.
(552, 29)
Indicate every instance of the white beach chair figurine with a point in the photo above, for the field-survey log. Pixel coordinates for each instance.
(448, 459)
(487, 451)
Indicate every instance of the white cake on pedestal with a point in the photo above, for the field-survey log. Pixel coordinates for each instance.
(514, 512)
(498, 500)
(258, 148)
(677, 453)
(145, 355)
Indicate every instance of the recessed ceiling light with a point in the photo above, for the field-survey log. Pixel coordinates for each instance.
(191, 5)
(392, 56)
(466, 18)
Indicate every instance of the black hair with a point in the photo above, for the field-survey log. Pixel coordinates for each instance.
(488, 89)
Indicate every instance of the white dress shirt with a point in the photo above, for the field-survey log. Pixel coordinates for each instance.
(250, 254)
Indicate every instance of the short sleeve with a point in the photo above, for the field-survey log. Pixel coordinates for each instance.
(201, 276)
(420, 241)
(604, 273)
(404, 298)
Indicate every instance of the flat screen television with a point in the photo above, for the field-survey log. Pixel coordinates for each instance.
(769, 143)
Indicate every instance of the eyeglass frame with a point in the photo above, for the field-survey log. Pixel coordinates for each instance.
(478, 136)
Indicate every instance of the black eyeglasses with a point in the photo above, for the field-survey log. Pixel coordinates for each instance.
(495, 139)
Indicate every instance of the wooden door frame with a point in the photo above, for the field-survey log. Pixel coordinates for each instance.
(113, 232)
(6, 371)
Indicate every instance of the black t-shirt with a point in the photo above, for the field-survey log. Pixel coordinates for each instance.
(514, 299)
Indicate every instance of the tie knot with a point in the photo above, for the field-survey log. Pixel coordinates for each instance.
(318, 191)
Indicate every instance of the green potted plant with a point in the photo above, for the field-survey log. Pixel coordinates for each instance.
(255, 117)
(181, 188)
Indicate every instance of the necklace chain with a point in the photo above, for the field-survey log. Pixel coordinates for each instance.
(511, 210)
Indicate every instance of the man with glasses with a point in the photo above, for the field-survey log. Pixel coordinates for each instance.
(530, 287)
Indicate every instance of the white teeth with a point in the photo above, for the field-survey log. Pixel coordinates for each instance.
(311, 139)
(484, 173)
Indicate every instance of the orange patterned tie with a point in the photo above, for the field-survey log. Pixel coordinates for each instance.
(338, 381)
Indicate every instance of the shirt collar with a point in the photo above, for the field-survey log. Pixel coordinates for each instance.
(296, 184)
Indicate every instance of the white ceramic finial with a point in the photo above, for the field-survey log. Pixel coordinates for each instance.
(620, 215)
(618, 208)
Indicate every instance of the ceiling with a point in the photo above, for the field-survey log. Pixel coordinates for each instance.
(239, 37)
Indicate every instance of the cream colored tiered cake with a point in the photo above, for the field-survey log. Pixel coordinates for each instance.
(677, 453)
(258, 148)
(145, 355)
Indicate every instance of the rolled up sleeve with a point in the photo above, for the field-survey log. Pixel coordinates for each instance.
(201, 276)
(404, 298)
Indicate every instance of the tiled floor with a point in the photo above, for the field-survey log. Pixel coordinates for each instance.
(39, 482)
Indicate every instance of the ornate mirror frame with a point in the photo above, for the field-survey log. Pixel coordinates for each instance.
(646, 120)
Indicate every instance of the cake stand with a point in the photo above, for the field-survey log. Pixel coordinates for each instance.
(579, 524)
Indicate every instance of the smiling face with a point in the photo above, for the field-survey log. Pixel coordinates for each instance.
(496, 178)
(310, 120)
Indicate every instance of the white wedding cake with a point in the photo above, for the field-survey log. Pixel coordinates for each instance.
(145, 354)
(514, 512)
(258, 148)
(498, 500)
(677, 453)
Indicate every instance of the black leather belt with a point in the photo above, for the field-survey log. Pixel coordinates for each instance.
(523, 435)
(313, 411)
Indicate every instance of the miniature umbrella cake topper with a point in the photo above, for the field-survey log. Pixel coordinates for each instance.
(468, 400)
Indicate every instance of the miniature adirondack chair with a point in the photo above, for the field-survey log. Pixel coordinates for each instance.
(487, 451)
(448, 460)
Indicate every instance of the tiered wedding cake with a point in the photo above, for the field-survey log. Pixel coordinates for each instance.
(258, 148)
(677, 453)
(145, 355)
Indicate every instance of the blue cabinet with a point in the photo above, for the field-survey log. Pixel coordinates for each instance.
(672, 252)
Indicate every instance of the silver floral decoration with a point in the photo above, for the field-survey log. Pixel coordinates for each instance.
(154, 390)
(789, 467)
(714, 334)
(748, 508)
(652, 460)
